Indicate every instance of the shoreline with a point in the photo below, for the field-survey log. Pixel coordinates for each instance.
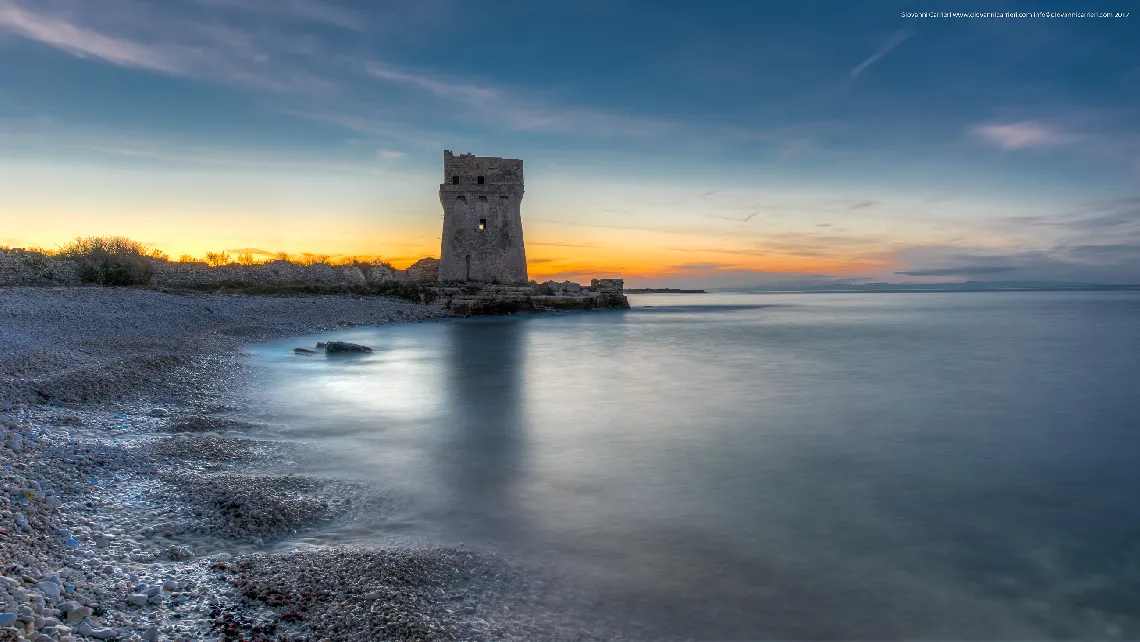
(138, 502)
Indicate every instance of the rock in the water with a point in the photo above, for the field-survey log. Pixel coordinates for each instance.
(321, 345)
(344, 347)
(304, 351)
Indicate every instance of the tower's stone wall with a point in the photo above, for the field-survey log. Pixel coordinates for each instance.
(482, 219)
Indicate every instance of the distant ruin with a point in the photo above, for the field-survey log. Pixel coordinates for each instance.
(482, 220)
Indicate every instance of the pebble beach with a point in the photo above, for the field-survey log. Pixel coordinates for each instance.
(138, 503)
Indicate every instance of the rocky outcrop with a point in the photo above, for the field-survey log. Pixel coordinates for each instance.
(380, 274)
(479, 299)
(426, 269)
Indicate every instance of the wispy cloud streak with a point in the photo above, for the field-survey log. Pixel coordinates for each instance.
(61, 34)
(512, 110)
(896, 39)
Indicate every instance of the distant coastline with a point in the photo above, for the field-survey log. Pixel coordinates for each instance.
(968, 286)
(662, 291)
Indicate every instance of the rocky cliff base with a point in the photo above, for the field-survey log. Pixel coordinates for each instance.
(468, 299)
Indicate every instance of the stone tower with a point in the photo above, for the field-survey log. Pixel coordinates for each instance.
(482, 219)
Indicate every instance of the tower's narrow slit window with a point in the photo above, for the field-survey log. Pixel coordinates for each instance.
(481, 180)
(482, 223)
(454, 180)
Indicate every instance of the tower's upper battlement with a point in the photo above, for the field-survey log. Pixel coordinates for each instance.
(468, 170)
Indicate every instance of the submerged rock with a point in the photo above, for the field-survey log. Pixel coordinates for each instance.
(344, 347)
(304, 351)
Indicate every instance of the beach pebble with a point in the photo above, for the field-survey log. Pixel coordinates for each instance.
(104, 633)
(77, 615)
(150, 635)
(137, 599)
(159, 412)
(49, 588)
(7, 619)
(179, 552)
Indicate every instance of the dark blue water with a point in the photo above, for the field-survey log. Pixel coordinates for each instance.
(920, 465)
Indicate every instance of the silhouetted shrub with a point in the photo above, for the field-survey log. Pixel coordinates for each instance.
(217, 259)
(110, 260)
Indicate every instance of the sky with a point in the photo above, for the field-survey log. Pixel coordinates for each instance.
(675, 144)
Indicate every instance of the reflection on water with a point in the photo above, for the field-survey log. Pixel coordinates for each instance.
(480, 454)
(781, 466)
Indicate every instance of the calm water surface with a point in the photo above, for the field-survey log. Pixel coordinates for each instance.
(954, 465)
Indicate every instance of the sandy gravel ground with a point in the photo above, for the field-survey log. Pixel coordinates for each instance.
(136, 502)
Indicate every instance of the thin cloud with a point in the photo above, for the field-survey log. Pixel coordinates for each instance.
(861, 205)
(153, 39)
(896, 39)
(513, 111)
(731, 218)
(960, 271)
(699, 266)
(69, 37)
(1023, 135)
(251, 250)
(389, 155)
(792, 148)
(561, 244)
(304, 10)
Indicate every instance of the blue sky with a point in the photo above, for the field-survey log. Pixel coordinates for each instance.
(723, 143)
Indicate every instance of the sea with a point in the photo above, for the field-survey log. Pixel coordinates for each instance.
(919, 465)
